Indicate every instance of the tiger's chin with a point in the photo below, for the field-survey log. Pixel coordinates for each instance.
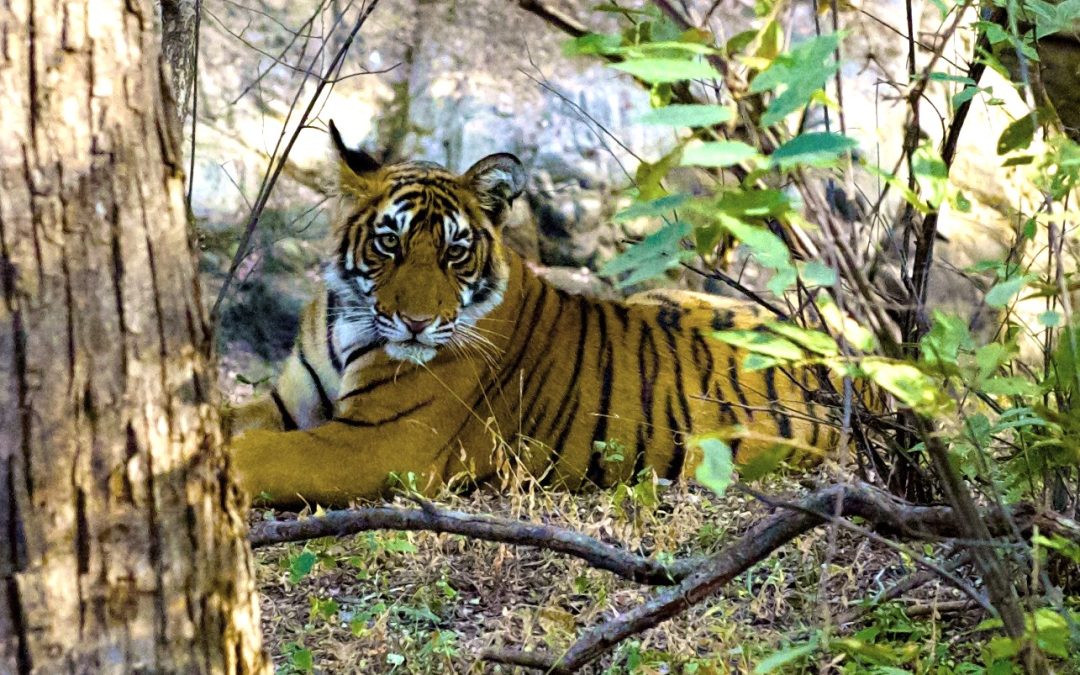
(411, 351)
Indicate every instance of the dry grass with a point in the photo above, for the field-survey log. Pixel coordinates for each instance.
(426, 603)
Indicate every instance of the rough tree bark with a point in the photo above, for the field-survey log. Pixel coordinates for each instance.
(179, 25)
(121, 537)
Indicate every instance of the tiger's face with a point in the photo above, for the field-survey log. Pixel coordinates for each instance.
(420, 256)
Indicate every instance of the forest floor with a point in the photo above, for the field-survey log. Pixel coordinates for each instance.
(400, 602)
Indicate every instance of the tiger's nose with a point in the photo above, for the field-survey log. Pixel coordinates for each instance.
(417, 326)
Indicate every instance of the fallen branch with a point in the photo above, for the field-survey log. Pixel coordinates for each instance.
(695, 579)
(880, 511)
(488, 528)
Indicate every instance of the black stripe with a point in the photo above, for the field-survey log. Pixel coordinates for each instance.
(365, 388)
(551, 358)
(678, 455)
(324, 400)
(726, 412)
(723, 319)
(684, 403)
(783, 422)
(347, 240)
(733, 378)
(595, 472)
(703, 360)
(536, 420)
(287, 421)
(622, 313)
(538, 309)
(811, 408)
(557, 449)
(648, 370)
(366, 424)
(571, 389)
(361, 351)
(331, 306)
(642, 445)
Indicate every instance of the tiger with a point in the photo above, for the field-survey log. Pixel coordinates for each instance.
(431, 348)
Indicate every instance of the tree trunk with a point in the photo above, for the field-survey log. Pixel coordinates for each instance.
(179, 42)
(121, 536)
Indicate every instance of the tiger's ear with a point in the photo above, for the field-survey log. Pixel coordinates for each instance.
(496, 179)
(357, 161)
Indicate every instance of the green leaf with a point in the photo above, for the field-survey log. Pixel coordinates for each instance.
(797, 76)
(755, 362)
(591, 44)
(783, 278)
(649, 176)
(813, 340)
(717, 467)
(651, 257)
(1067, 359)
(1053, 18)
(687, 115)
(1050, 319)
(991, 356)
(665, 48)
(1010, 386)
(768, 248)
(301, 565)
(784, 657)
(1017, 135)
(977, 429)
(856, 335)
(947, 77)
(302, 660)
(1018, 418)
(965, 95)
(947, 336)
(656, 207)
(1002, 292)
(658, 70)
(761, 342)
(718, 153)
(931, 174)
(812, 149)
(1018, 160)
(763, 463)
(1056, 542)
(814, 273)
(906, 382)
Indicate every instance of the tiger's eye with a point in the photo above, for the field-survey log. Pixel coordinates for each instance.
(457, 252)
(387, 242)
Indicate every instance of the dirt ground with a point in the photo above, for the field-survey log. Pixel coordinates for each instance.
(391, 602)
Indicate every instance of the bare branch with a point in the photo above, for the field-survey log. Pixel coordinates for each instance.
(882, 512)
(478, 526)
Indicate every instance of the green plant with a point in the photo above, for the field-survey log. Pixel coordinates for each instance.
(999, 406)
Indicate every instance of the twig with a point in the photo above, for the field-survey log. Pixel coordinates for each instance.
(272, 176)
(914, 323)
(194, 106)
(938, 608)
(734, 283)
(895, 591)
(999, 585)
(554, 17)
